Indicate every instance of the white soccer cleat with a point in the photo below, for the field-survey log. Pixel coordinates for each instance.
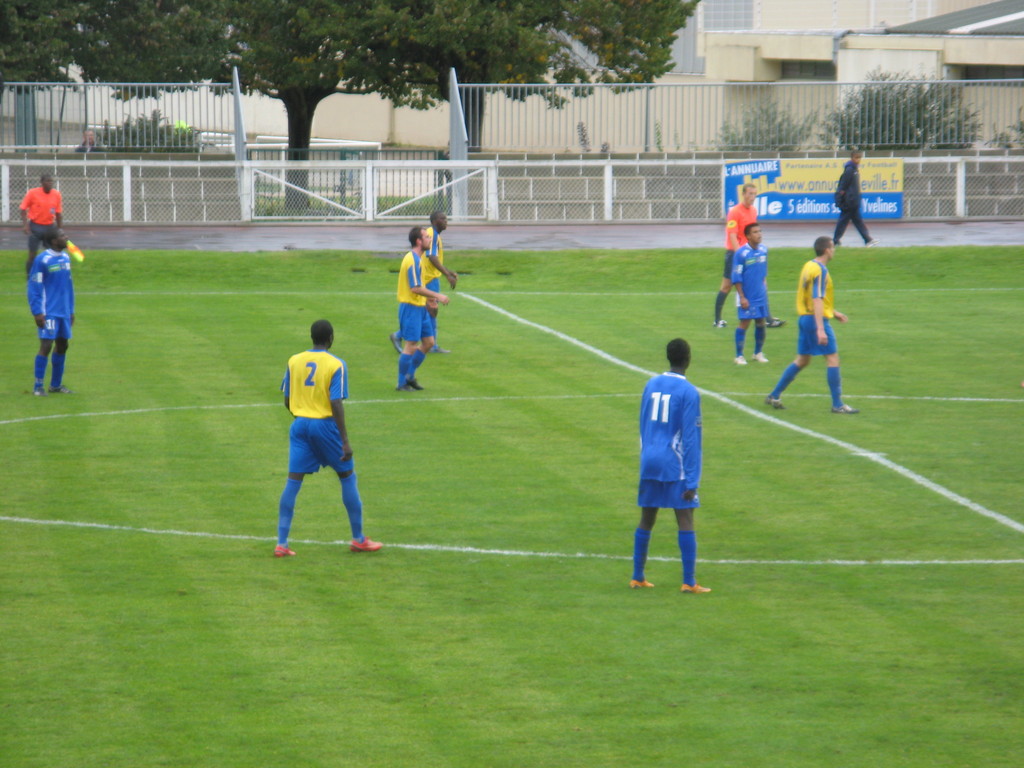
(740, 360)
(760, 357)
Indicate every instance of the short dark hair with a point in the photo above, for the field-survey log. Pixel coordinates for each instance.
(821, 245)
(678, 353)
(415, 234)
(437, 215)
(321, 332)
(854, 152)
(750, 226)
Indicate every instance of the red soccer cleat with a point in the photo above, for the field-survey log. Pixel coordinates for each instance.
(280, 551)
(366, 545)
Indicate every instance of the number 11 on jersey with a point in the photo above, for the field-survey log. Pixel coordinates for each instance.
(663, 400)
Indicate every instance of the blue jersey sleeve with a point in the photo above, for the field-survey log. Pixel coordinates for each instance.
(692, 440)
(413, 275)
(818, 286)
(35, 286)
(339, 384)
(285, 383)
(738, 259)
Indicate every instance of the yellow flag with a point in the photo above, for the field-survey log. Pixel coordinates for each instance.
(75, 251)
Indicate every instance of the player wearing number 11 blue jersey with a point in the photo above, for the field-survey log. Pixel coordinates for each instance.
(315, 386)
(670, 463)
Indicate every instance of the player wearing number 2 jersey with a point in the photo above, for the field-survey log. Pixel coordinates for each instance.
(315, 386)
(670, 463)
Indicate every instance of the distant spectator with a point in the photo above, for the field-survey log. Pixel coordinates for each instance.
(848, 201)
(89, 142)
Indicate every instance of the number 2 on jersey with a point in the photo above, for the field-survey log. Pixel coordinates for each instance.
(312, 373)
(663, 399)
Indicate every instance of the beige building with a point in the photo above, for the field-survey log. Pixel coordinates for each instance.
(844, 41)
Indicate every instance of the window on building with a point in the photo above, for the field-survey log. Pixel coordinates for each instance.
(808, 70)
(992, 72)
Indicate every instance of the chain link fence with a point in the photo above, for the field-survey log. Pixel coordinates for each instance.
(525, 190)
(768, 117)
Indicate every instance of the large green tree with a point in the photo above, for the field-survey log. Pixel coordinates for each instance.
(302, 52)
(34, 44)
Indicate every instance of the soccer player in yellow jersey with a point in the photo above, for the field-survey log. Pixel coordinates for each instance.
(315, 386)
(433, 267)
(815, 306)
(414, 325)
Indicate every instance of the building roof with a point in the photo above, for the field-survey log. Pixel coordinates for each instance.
(1004, 17)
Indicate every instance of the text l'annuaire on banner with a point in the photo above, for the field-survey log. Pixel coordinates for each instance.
(790, 189)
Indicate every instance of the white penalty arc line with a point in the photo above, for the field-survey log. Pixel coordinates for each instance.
(491, 552)
(878, 458)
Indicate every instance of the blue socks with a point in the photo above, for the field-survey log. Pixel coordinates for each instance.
(40, 368)
(641, 542)
(286, 509)
(353, 505)
(741, 340)
(57, 373)
(835, 386)
(785, 380)
(417, 359)
(759, 334)
(404, 361)
(688, 553)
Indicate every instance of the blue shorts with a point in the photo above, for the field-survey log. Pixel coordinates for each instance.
(315, 443)
(807, 341)
(654, 493)
(56, 328)
(413, 322)
(753, 312)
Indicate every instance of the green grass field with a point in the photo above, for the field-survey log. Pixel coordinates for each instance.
(868, 571)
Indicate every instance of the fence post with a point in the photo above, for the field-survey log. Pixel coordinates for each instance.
(126, 198)
(370, 192)
(609, 190)
(961, 187)
(246, 191)
(493, 212)
(5, 192)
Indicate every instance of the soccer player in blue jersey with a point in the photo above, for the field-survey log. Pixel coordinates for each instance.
(315, 386)
(51, 300)
(414, 324)
(750, 278)
(814, 304)
(670, 463)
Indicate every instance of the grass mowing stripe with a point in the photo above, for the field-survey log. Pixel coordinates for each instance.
(497, 552)
(476, 399)
(849, 447)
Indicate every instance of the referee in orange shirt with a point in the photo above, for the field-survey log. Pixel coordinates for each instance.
(40, 209)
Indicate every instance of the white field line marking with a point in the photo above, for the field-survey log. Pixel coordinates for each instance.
(878, 458)
(406, 400)
(891, 397)
(492, 552)
(349, 403)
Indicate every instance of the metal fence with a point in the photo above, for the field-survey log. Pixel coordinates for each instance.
(770, 117)
(164, 117)
(635, 190)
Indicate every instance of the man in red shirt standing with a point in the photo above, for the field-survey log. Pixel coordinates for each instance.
(740, 215)
(40, 209)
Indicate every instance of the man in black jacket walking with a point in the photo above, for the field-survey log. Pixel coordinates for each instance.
(848, 201)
